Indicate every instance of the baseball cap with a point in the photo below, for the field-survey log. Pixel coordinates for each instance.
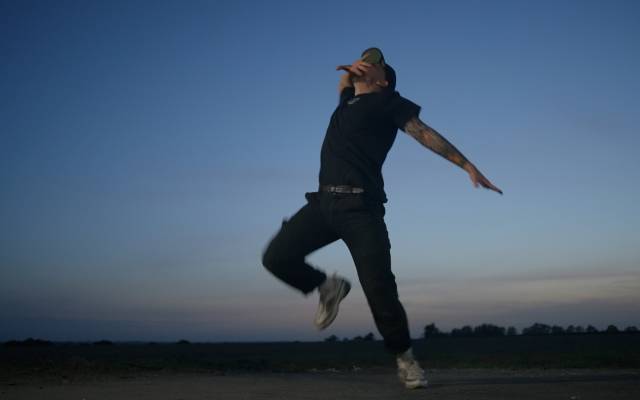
(373, 55)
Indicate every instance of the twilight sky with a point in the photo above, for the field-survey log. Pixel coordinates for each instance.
(150, 149)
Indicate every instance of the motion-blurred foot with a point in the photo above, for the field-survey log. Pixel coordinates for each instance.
(332, 291)
(410, 372)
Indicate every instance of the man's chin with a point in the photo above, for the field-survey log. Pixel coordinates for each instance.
(359, 79)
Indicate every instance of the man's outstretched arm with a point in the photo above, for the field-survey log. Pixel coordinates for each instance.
(435, 142)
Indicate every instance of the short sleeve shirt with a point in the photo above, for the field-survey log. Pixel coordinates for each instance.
(361, 132)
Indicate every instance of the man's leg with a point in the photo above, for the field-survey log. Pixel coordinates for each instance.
(300, 235)
(365, 233)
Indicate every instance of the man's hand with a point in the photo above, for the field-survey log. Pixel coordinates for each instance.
(478, 179)
(358, 67)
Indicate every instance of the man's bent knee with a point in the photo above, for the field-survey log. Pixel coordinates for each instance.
(274, 260)
(270, 256)
(269, 260)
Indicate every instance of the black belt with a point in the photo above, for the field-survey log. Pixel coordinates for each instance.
(340, 189)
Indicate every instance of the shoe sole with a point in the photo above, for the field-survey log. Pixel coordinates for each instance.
(416, 384)
(343, 291)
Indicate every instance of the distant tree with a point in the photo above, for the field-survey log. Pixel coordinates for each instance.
(103, 343)
(537, 329)
(591, 329)
(369, 337)
(631, 329)
(485, 330)
(579, 329)
(332, 338)
(357, 338)
(431, 330)
(29, 342)
(465, 331)
(570, 330)
(345, 339)
(512, 331)
(612, 329)
(557, 330)
(183, 341)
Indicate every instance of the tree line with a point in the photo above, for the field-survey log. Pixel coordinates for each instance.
(484, 330)
(366, 338)
(488, 330)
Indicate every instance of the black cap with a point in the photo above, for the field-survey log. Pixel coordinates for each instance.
(373, 55)
(391, 77)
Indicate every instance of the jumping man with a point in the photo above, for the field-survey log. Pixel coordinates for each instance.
(348, 204)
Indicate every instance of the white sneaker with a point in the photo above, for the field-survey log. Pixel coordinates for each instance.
(409, 371)
(332, 291)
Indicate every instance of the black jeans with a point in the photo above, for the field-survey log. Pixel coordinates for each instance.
(359, 222)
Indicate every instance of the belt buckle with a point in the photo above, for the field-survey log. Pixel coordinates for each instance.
(344, 189)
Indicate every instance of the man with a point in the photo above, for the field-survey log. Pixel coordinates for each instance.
(349, 204)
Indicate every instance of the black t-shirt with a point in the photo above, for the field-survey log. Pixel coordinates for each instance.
(361, 132)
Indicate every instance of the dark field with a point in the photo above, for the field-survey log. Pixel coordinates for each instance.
(575, 367)
(520, 352)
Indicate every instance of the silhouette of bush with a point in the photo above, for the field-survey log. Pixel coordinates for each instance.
(631, 329)
(431, 330)
(486, 330)
(537, 329)
(29, 342)
(465, 331)
(612, 329)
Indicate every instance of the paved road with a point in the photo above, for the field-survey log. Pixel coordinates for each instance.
(363, 384)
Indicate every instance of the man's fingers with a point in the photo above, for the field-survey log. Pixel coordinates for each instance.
(349, 69)
(358, 68)
(480, 180)
(489, 185)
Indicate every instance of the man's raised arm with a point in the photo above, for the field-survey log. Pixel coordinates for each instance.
(435, 142)
(358, 67)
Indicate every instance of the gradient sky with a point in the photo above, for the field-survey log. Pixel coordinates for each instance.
(150, 149)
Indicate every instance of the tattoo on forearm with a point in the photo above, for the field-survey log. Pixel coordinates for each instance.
(435, 142)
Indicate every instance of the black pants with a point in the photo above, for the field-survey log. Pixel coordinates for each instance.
(359, 222)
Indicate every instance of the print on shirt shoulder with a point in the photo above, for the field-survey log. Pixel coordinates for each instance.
(353, 100)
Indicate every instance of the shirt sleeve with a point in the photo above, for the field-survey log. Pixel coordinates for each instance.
(401, 110)
(347, 93)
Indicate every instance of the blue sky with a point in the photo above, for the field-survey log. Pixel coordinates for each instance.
(149, 151)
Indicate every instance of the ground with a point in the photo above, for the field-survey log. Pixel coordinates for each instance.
(366, 383)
